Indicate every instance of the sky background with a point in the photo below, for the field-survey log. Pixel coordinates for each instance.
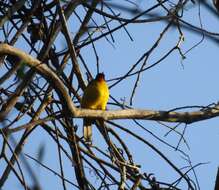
(172, 83)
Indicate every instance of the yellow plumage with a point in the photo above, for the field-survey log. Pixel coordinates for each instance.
(95, 97)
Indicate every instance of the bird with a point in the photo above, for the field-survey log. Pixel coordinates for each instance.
(95, 97)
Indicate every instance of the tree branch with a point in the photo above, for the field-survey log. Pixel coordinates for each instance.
(44, 70)
(53, 79)
(217, 181)
(168, 116)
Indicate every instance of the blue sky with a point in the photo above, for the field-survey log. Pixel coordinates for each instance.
(173, 83)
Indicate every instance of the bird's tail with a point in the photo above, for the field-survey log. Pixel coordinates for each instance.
(87, 130)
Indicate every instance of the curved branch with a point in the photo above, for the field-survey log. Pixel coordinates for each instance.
(44, 70)
(53, 79)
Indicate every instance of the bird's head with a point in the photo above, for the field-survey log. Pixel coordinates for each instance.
(100, 77)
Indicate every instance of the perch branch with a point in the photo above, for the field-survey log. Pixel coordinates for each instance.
(53, 79)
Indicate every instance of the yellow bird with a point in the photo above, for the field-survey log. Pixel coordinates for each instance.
(95, 97)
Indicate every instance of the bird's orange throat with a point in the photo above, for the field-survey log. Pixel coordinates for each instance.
(100, 79)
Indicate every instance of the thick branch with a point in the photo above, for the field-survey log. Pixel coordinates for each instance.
(53, 79)
(44, 70)
(168, 116)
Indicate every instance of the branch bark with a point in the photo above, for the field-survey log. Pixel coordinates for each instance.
(53, 79)
(44, 70)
